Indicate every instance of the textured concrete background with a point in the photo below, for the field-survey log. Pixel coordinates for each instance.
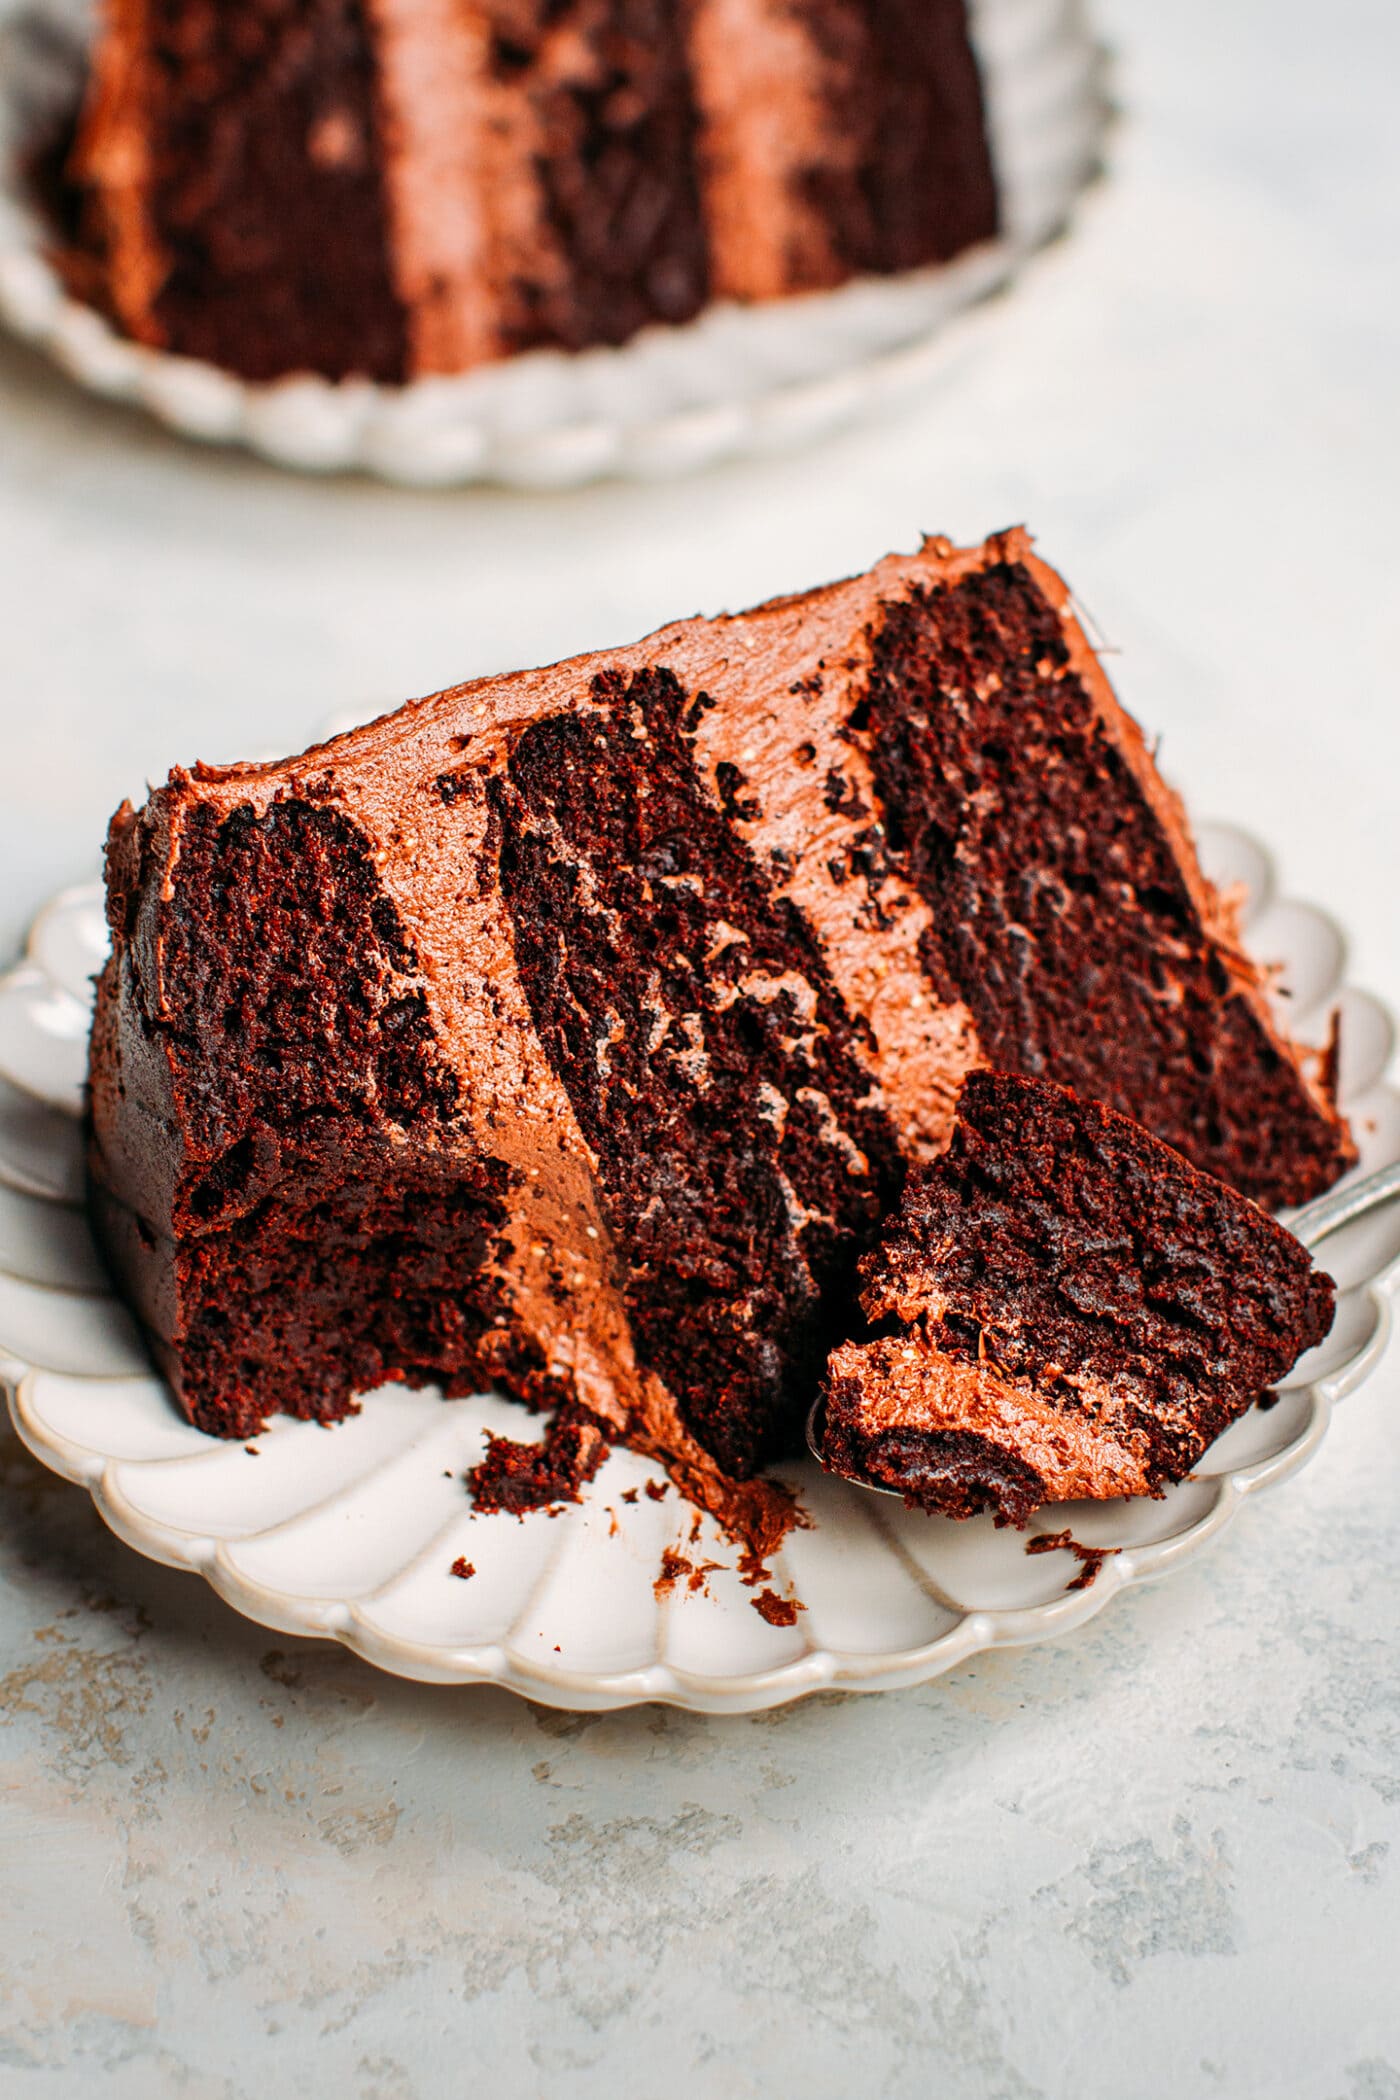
(1161, 1858)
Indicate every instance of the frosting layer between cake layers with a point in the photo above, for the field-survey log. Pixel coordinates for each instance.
(575, 1030)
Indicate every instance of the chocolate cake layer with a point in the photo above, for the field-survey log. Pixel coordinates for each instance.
(596, 1014)
(1063, 1308)
(404, 187)
(711, 1064)
(1064, 910)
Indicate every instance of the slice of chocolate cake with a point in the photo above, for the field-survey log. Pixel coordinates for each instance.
(397, 188)
(574, 1031)
(1063, 1308)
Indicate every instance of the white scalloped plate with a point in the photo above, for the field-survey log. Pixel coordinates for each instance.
(738, 380)
(352, 1532)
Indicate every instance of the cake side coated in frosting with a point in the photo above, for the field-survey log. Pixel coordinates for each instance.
(575, 1030)
(1062, 1309)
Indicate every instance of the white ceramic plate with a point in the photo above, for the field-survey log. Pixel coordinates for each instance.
(352, 1532)
(736, 381)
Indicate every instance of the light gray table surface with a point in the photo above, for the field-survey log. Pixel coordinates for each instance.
(1159, 1858)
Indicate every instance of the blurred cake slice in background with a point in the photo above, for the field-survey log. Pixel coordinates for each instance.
(398, 189)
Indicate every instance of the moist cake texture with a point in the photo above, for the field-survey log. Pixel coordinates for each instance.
(396, 188)
(1063, 1308)
(574, 1031)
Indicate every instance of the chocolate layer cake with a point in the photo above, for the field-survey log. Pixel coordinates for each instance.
(1063, 1308)
(403, 187)
(574, 1031)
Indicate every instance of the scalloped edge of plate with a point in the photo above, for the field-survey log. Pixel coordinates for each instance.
(971, 1630)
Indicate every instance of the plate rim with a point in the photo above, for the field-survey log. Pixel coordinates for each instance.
(819, 1667)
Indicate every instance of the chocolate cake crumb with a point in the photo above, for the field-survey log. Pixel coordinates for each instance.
(522, 1477)
(778, 1611)
(462, 1568)
(657, 1490)
(1330, 1062)
(754, 1568)
(676, 1566)
(629, 1494)
(1091, 1557)
(756, 1514)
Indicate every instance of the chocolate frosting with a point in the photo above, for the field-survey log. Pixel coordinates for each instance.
(1091, 1453)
